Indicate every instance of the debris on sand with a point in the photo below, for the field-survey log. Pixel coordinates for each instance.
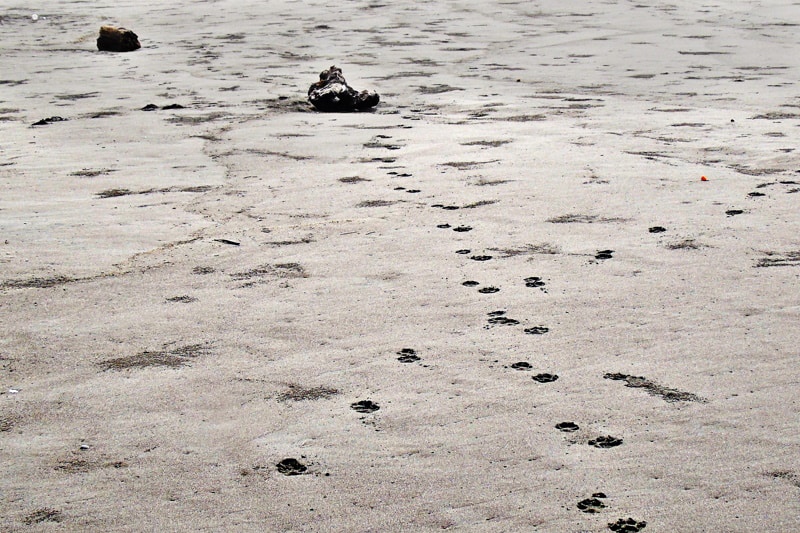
(113, 39)
(332, 94)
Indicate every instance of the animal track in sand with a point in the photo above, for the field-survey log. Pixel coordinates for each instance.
(463, 252)
(657, 229)
(462, 229)
(522, 365)
(627, 525)
(407, 355)
(591, 505)
(364, 406)
(605, 442)
(567, 427)
(503, 321)
(481, 257)
(733, 212)
(291, 467)
(470, 283)
(545, 378)
(498, 318)
(443, 226)
(534, 282)
(488, 290)
(604, 254)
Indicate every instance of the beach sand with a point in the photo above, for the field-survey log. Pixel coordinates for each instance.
(192, 295)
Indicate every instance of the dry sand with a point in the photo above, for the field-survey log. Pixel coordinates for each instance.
(190, 296)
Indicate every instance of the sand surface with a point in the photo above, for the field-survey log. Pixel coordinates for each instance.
(190, 296)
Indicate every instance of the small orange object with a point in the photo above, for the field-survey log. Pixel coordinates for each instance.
(703, 178)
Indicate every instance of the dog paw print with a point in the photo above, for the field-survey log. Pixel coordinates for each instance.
(407, 355)
(627, 525)
(591, 505)
(605, 442)
(291, 467)
(567, 427)
(364, 406)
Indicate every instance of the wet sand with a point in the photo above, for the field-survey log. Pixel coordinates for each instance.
(504, 300)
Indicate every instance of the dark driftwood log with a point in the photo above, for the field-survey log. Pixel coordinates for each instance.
(332, 94)
(113, 39)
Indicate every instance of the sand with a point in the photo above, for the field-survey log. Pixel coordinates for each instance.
(191, 296)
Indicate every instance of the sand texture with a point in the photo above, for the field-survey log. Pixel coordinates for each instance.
(503, 300)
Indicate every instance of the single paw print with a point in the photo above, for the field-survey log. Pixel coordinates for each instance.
(407, 355)
(291, 467)
(537, 330)
(567, 427)
(534, 281)
(498, 318)
(627, 525)
(364, 406)
(605, 442)
(591, 505)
